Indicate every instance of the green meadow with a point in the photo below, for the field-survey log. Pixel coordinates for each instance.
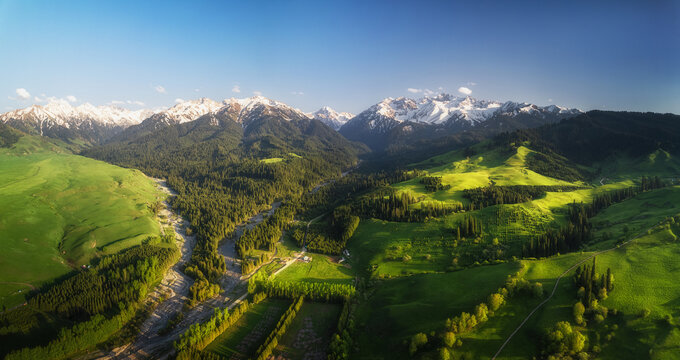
(401, 307)
(645, 273)
(321, 269)
(58, 211)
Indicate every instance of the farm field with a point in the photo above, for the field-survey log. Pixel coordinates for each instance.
(308, 336)
(58, 211)
(242, 339)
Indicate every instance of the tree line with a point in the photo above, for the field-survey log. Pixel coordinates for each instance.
(433, 183)
(265, 350)
(200, 335)
(325, 292)
(514, 194)
(86, 307)
(446, 342)
(578, 228)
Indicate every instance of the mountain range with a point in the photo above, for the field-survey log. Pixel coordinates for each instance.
(391, 122)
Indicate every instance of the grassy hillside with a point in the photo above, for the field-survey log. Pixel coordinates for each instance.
(645, 273)
(404, 306)
(415, 259)
(58, 211)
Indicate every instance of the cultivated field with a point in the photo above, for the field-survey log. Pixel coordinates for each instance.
(240, 341)
(308, 336)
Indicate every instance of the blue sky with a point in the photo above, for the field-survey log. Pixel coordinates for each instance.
(613, 55)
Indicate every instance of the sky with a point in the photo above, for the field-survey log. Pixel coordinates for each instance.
(610, 55)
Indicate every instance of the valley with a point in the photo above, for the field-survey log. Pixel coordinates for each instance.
(339, 180)
(293, 242)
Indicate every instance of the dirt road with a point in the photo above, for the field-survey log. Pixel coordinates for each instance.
(557, 282)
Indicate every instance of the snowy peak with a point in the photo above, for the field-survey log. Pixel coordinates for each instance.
(61, 112)
(445, 109)
(191, 110)
(331, 117)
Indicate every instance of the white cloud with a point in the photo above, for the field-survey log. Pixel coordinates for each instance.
(117, 102)
(197, 90)
(257, 93)
(470, 83)
(441, 88)
(414, 91)
(71, 98)
(23, 94)
(550, 100)
(464, 90)
(236, 89)
(428, 92)
(179, 100)
(298, 93)
(135, 102)
(39, 99)
(160, 89)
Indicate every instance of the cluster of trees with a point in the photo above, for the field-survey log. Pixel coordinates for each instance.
(329, 237)
(322, 200)
(555, 166)
(116, 278)
(81, 336)
(341, 342)
(514, 194)
(433, 183)
(591, 288)
(251, 264)
(265, 350)
(562, 341)
(293, 289)
(578, 229)
(199, 335)
(94, 302)
(393, 207)
(264, 235)
(470, 227)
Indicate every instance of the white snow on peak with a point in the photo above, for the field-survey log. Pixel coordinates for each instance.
(331, 117)
(191, 110)
(443, 108)
(61, 112)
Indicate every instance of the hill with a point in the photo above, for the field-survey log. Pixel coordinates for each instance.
(58, 211)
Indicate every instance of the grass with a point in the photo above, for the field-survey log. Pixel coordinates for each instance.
(385, 243)
(309, 335)
(320, 269)
(273, 160)
(13, 294)
(402, 307)
(243, 337)
(58, 211)
(645, 272)
(489, 167)
(647, 269)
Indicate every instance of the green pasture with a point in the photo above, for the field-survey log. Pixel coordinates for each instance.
(401, 307)
(58, 211)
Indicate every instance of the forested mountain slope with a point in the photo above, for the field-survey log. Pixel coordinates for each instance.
(228, 165)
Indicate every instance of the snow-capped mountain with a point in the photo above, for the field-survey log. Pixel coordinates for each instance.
(60, 119)
(331, 117)
(445, 114)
